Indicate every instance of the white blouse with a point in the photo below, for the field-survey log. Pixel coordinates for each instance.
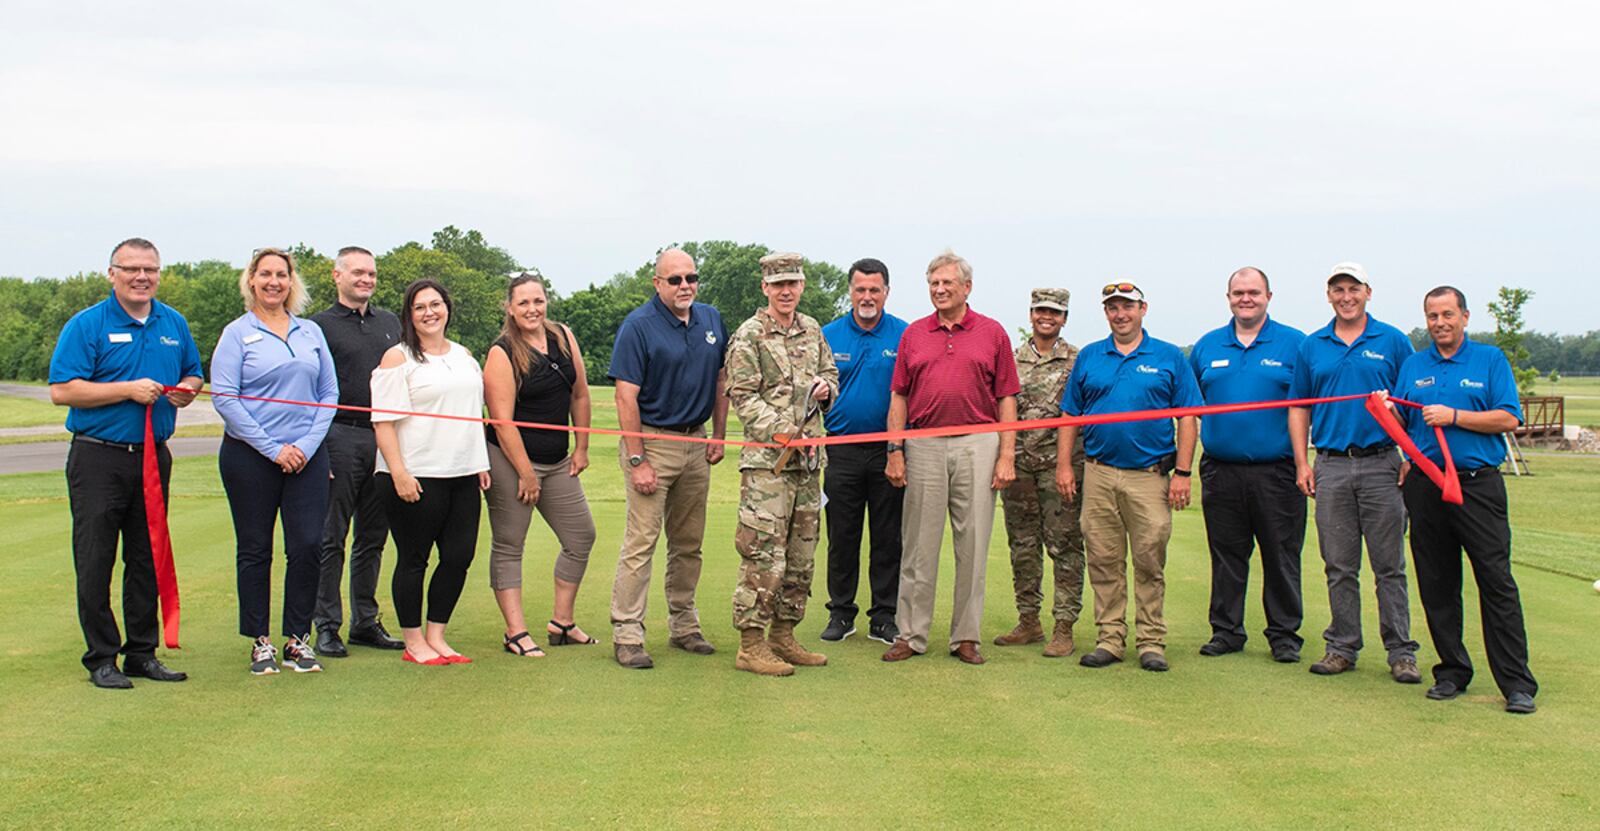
(448, 384)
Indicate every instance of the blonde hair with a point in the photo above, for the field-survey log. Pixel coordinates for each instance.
(948, 257)
(295, 303)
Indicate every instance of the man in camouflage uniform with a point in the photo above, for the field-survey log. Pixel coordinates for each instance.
(1036, 516)
(780, 376)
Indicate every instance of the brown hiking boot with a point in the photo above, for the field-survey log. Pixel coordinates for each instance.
(1060, 645)
(1028, 631)
(783, 645)
(1332, 664)
(755, 656)
(1405, 671)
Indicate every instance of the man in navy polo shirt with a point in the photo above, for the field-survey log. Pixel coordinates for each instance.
(1357, 478)
(668, 366)
(1127, 496)
(864, 344)
(1249, 495)
(1466, 388)
(112, 361)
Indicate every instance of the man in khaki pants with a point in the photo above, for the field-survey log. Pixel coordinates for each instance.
(955, 368)
(668, 367)
(1127, 498)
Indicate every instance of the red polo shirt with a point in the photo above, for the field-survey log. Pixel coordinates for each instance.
(954, 375)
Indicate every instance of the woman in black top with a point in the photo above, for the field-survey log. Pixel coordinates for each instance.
(534, 373)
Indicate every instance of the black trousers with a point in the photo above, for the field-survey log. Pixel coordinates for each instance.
(105, 487)
(259, 494)
(353, 495)
(1248, 506)
(856, 488)
(446, 515)
(1479, 525)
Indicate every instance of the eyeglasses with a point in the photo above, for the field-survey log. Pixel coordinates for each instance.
(675, 280)
(1113, 288)
(148, 270)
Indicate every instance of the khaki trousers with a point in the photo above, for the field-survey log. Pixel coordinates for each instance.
(683, 480)
(1127, 510)
(946, 476)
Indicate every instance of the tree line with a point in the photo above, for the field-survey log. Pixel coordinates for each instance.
(32, 312)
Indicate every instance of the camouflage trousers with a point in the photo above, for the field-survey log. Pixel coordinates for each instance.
(1037, 519)
(779, 517)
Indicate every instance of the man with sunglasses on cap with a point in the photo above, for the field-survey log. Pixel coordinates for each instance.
(1038, 521)
(667, 363)
(1128, 495)
(1248, 492)
(1356, 482)
(781, 377)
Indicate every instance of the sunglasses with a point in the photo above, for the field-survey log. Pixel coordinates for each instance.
(1113, 288)
(676, 279)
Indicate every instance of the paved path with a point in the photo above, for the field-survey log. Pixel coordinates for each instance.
(200, 412)
(46, 456)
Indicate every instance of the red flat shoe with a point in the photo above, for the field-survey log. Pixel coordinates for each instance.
(435, 661)
(456, 659)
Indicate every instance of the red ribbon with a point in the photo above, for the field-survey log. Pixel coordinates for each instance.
(1447, 480)
(155, 515)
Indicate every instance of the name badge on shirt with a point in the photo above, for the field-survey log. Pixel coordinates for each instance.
(1219, 362)
(121, 337)
(249, 339)
(1424, 382)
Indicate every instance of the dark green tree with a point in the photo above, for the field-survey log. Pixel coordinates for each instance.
(1508, 334)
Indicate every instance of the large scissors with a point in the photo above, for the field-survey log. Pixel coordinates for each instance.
(813, 459)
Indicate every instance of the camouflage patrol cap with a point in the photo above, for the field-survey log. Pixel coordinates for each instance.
(776, 268)
(1050, 299)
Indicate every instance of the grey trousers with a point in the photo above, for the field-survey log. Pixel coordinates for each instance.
(564, 508)
(352, 495)
(945, 477)
(1359, 499)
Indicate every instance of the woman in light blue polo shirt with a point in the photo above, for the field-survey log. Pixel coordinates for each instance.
(272, 460)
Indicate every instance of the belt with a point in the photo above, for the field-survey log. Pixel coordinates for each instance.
(1479, 471)
(1358, 452)
(684, 429)
(1155, 468)
(353, 421)
(120, 445)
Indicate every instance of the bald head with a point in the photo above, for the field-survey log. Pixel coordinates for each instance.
(673, 261)
(676, 281)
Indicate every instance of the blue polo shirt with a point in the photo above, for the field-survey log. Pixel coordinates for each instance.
(1327, 367)
(865, 358)
(1231, 373)
(103, 344)
(674, 363)
(250, 359)
(1153, 376)
(1475, 379)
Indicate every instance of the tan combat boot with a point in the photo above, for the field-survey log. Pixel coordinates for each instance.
(1060, 645)
(1027, 631)
(783, 645)
(754, 656)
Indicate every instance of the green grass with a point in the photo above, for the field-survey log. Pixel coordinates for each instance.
(16, 411)
(1582, 405)
(1233, 742)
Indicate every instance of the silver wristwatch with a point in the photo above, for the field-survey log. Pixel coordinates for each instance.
(635, 460)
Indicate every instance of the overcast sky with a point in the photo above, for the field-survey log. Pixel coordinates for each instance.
(1059, 144)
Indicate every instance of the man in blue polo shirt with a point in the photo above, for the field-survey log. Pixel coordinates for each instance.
(1248, 492)
(112, 361)
(668, 366)
(1357, 477)
(1127, 496)
(1466, 388)
(864, 344)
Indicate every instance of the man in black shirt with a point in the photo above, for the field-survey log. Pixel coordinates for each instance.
(358, 334)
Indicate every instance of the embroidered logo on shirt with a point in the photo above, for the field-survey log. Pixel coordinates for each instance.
(1270, 362)
(1471, 384)
(711, 337)
(1424, 382)
(166, 341)
(1368, 353)
(889, 353)
(1148, 370)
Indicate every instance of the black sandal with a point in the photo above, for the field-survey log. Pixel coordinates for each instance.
(564, 637)
(515, 648)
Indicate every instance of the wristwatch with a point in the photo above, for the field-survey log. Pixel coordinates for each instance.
(894, 447)
(1184, 473)
(635, 460)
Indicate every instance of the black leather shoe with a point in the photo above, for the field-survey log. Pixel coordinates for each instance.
(1444, 691)
(329, 645)
(1520, 703)
(1153, 662)
(838, 630)
(1097, 659)
(152, 669)
(108, 677)
(1217, 646)
(374, 636)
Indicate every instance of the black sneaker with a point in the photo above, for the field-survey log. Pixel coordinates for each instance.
(838, 630)
(883, 631)
(263, 657)
(300, 657)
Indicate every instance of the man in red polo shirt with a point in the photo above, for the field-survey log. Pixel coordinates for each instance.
(955, 367)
